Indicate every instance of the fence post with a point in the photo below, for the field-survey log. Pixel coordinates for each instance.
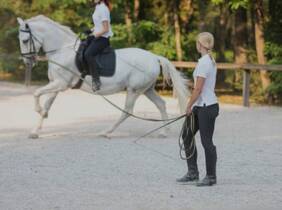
(28, 75)
(246, 88)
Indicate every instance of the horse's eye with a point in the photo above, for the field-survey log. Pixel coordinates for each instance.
(25, 41)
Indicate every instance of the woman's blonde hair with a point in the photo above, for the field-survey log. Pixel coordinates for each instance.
(206, 40)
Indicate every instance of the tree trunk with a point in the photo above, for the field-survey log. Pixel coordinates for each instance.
(186, 11)
(240, 40)
(128, 20)
(136, 9)
(166, 19)
(220, 45)
(202, 4)
(177, 32)
(241, 33)
(259, 36)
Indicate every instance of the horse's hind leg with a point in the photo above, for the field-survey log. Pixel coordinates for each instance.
(153, 96)
(129, 104)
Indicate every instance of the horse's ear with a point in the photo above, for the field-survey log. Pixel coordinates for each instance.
(20, 20)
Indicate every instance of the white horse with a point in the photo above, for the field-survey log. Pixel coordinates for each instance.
(136, 70)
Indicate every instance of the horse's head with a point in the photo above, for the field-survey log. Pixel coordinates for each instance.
(30, 44)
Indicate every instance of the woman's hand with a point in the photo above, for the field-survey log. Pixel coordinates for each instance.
(189, 110)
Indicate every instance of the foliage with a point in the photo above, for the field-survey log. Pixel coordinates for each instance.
(234, 4)
(152, 30)
(273, 49)
(274, 54)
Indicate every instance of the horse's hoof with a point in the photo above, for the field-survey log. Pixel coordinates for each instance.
(33, 136)
(104, 134)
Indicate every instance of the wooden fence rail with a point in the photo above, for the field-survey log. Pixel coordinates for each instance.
(247, 68)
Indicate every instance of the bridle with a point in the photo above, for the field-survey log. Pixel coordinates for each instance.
(32, 54)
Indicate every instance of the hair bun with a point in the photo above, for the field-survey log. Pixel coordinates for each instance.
(206, 39)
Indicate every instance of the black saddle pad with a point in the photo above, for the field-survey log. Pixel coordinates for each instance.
(105, 61)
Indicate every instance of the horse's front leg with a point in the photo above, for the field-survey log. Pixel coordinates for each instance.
(41, 91)
(37, 106)
(51, 90)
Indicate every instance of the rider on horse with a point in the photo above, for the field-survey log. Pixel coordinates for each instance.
(99, 38)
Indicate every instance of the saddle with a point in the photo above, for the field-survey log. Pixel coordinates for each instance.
(105, 62)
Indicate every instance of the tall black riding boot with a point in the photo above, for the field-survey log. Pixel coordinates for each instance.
(96, 83)
(210, 179)
(211, 158)
(193, 173)
(192, 163)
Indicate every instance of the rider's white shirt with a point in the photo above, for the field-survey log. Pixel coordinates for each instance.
(102, 13)
(206, 69)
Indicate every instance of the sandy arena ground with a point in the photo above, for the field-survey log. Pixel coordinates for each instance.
(70, 168)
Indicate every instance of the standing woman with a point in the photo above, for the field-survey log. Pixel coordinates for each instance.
(101, 38)
(203, 108)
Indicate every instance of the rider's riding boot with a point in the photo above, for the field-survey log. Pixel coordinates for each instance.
(96, 83)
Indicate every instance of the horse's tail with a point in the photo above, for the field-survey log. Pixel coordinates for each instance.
(178, 80)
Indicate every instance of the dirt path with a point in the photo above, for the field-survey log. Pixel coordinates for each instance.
(70, 168)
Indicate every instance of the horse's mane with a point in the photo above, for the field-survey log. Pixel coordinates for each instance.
(66, 29)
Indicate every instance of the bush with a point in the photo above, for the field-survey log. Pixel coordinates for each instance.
(274, 54)
(120, 38)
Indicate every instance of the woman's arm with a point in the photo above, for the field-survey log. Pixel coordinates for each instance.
(105, 29)
(200, 81)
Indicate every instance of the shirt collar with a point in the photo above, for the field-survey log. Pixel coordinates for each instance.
(203, 57)
(100, 4)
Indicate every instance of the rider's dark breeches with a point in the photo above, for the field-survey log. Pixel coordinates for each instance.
(96, 46)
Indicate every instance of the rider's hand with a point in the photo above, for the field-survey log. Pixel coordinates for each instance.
(89, 39)
(88, 32)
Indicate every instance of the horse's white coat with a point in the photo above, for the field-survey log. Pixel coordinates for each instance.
(136, 70)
